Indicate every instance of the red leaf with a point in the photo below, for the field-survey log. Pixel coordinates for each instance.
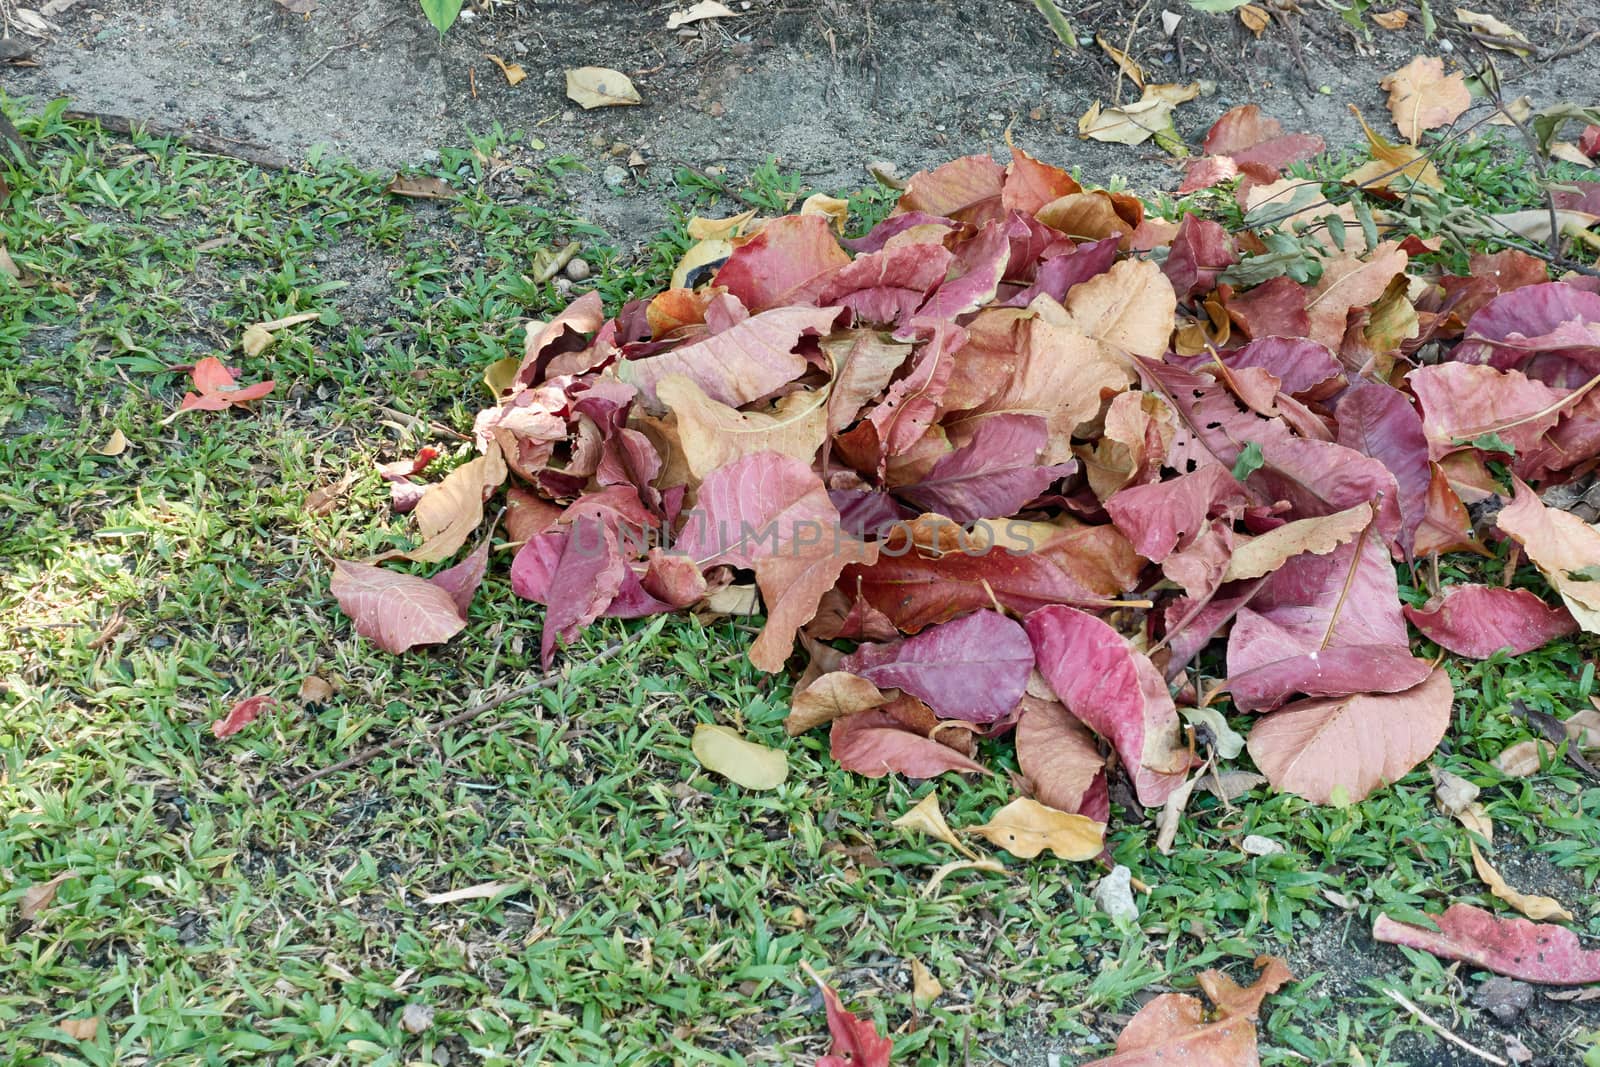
(242, 714)
(992, 476)
(218, 389)
(1529, 951)
(1327, 625)
(1378, 420)
(1162, 517)
(787, 263)
(1551, 332)
(1116, 692)
(980, 263)
(1251, 137)
(1479, 620)
(586, 579)
(915, 590)
(856, 1042)
(742, 363)
(462, 580)
(1320, 749)
(1029, 184)
(1461, 402)
(1273, 309)
(974, 668)
(875, 743)
(966, 189)
(1200, 251)
(888, 286)
(393, 610)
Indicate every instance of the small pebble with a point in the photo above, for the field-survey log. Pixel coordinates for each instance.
(578, 269)
(563, 285)
(1446, 46)
(1114, 895)
(614, 176)
(715, 171)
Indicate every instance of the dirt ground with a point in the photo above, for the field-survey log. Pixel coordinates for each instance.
(822, 85)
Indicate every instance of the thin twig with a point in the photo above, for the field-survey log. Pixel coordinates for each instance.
(1439, 1028)
(398, 741)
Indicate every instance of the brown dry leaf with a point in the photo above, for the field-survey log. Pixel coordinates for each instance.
(82, 1029)
(1231, 785)
(713, 434)
(1537, 908)
(259, 335)
(513, 71)
(1350, 282)
(926, 818)
(835, 210)
(925, 988)
(1130, 309)
(9, 268)
(315, 690)
(1423, 97)
(1026, 828)
(1564, 548)
(832, 696)
(1452, 792)
(1522, 758)
(592, 87)
(1234, 1001)
(322, 501)
(705, 9)
(1492, 33)
(1583, 728)
(721, 749)
(1475, 817)
(1567, 152)
(450, 511)
(737, 599)
(1318, 535)
(1255, 19)
(1391, 162)
(1123, 61)
(39, 897)
(481, 891)
(939, 875)
(115, 445)
(1139, 121)
(1175, 1028)
(1391, 20)
(421, 188)
(1171, 816)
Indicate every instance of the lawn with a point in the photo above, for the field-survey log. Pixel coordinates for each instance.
(645, 911)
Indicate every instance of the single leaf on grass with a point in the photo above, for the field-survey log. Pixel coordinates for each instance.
(936, 879)
(721, 749)
(115, 445)
(1532, 952)
(926, 818)
(1525, 758)
(832, 696)
(80, 1029)
(925, 988)
(393, 610)
(1174, 1029)
(242, 714)
(1117, 692)
(1057, 754)
(1479, 620)
(1026, 828)
(974, 668)
(36, 898)
(1244, 1002)
(592, 87)
(856, 1042)
(218, 388)
(1534, 907)
(481, 891)
(874, 743)
(1564, 548)
(742, 363)
(1344, 749)
(1422, 97)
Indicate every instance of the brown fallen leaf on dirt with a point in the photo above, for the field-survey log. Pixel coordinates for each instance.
(926, 818)
(1175, 1028)
(421, 188)
(1124, 62)
(721, 749)
(513, 71)
(925, 988)
(1391, 20)
(115, 445)
(1523, 758)
(705, 9)
(1423, 97)
(1534, 907)
(1026, 828)
(592, 87)
(1492, 33)
(1135, 123)
(297, 7)
(258, 336)
(1391, 162)
(1255, 19)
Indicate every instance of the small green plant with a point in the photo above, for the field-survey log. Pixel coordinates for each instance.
(442, 13)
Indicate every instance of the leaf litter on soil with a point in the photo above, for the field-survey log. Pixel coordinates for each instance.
(1007, 464)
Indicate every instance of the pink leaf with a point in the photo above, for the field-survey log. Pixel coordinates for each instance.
(787, 263)
(1249, 136)
(1343, 749)
(968, 190)
(1200, 251)
(218, 388)
(992, 476)
(979, 265)
(1378, 420)
(974, 668)
(1529, 951)
(1058, 755)
(1116, 692)
(1462, 401)
(393, 610)
(462, 580)
(586, 579)
(242, 714)
(742, 363)
(856, 1042)
(1549, 331)
(1323, 625)
(1479, 620)
(874, 743)
(1162, 517)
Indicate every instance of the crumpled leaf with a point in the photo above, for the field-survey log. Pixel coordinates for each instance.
(393, 610)
(992, 476)
(925, 817)
(1479, 620)
(1564, 548)
(1131, 124)
(742, 363)
(1026, 828)
(714, 434)
(832, 696)
(1496, 34)
(723, 750)
(449, 512)
(875, 743)
(1422, 97)
(973, 668)
(1341, 750)
(1533, 952)
(1534, 907)
(592, 87)
(1314, 536)
(1116, 692)
(242, 714)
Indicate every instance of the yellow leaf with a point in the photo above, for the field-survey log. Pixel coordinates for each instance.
(1139, 121)
(699, 255)
(1391, 162)
(500, 375)
(591, 87)
(830, 697)
(115, 445)
(836, 211)
(705, 9)
(1026, 828)
(1475, 817)
(928, 819)
(1318, 535)
(1422, 97)
(1255, 19)
(1123, 61)
(255, 340)
(1536, 908)
(1492, 33)
(742, 762)
(702, 229)
(513, 71)
(925, 988)
(80, 1029)
(1391, 20)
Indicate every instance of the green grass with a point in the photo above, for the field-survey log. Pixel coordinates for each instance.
(651, 913)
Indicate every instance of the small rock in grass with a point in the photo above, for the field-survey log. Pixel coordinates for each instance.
(1114, 896)
(614, 176)
(578, 269)
(415, 1018)
(1504, 998)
